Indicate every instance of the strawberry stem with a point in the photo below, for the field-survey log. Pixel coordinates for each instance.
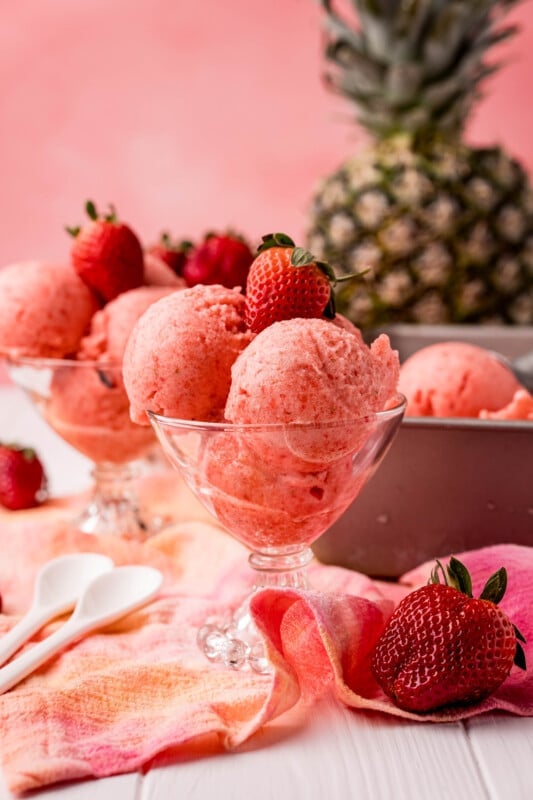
(351, 276)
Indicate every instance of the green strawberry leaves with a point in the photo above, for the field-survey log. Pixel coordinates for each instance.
(455, 574)
(495, 587)
(301, 257)
(274, 240)
(92, 213)
(183, 246)
(459, 576)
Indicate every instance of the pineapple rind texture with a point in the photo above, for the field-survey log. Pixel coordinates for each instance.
(447, 234)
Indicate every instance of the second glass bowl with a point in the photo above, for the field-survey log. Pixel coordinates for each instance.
(86, 404)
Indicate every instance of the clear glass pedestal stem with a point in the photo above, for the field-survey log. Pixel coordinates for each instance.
(233, 638)
(113, 509)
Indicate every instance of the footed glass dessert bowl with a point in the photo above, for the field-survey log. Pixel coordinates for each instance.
(276, 488)
(86, 404)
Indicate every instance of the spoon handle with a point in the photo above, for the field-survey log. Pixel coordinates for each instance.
(25, 628)
(26, 663)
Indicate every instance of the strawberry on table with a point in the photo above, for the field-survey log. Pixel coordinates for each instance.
(106, 254)
(22, 477)
(172, 253)
(221, 258)
(442, 646)
(285, 282)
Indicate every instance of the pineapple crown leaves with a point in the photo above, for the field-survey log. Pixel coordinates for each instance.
(457, 576)
(92, 213)
(303, 258)
(414, 65)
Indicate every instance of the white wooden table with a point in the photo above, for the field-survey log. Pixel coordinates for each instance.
(334, 754)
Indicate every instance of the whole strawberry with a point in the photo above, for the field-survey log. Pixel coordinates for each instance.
(223, 259)
(22, 478)
(443, 646)
(172, 253)
(106, 254)
(285, 282)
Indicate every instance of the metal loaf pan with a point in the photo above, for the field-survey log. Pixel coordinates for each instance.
(446, 484)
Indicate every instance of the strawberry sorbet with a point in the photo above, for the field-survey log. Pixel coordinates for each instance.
(45, 309)
(455, 379)
(265, 506)
(158, 273)
(311, 370)
(179, 356)
(89, 408)
(519, 408)
(112, 325)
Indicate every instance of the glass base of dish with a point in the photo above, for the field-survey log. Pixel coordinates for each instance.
(233, 639)
(114, 508)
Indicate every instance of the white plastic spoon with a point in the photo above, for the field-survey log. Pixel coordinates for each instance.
(107, 598)
(58, 585)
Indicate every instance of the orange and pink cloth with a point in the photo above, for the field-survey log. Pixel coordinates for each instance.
(139, 692)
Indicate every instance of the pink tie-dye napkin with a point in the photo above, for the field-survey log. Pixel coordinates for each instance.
(139, 691)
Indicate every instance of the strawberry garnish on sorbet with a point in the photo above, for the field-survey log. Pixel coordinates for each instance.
(106, 254)
(286, 281)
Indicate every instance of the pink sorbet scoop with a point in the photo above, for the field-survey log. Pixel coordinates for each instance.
(455, 379)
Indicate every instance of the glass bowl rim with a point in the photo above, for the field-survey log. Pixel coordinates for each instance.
(161, 420)
(41, 362)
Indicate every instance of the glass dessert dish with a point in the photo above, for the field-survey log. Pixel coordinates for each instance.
(86, 404)
(276, 488)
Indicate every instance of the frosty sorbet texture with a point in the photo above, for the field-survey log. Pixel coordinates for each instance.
(271, 502)
(112, 325)
(179, 355)
(311, 370)
(455, 379)
(89, 408)
(45, 309)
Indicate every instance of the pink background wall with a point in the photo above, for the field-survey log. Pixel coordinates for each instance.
(188, 115)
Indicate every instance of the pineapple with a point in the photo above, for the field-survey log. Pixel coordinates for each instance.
(445, 228)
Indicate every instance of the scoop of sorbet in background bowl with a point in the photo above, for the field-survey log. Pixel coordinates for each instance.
(86, 404)
(45, 309)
